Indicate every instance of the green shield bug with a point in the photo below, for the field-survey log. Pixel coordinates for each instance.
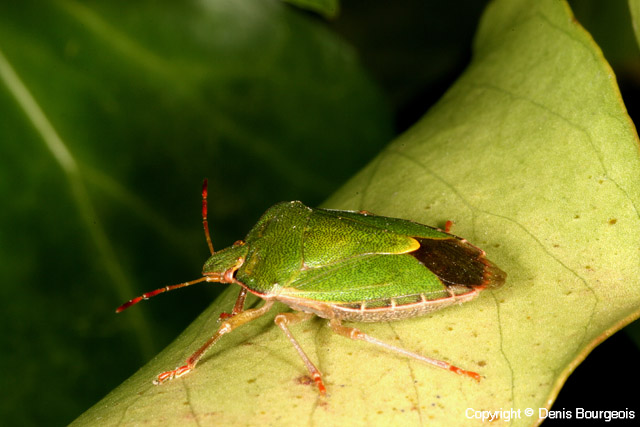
(341, 266)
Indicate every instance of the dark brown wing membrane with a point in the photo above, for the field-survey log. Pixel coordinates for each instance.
(457, 262)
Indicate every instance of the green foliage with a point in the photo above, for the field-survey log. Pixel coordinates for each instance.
(111, 114)
(328, 8)
(532, 153)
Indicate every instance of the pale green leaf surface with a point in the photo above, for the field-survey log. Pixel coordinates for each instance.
(532, 154)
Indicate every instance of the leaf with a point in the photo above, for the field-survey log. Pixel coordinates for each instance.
(329, 8)
(533, 156)
(634, 8)
(111, 115)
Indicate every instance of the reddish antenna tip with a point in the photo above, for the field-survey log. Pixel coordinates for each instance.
(128, 304)
(140, 298)
(158, 291)
(204, 188)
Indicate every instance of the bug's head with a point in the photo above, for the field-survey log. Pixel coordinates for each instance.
(221, 265)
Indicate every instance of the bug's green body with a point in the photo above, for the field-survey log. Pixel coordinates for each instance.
(355, 266)
(340, 265)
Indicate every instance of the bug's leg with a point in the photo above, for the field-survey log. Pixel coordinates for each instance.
(226, 327)
(237, 308)
(448, 226)
(283, 320)
(356, 334)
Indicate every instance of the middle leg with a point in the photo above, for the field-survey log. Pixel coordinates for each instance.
(283, 320)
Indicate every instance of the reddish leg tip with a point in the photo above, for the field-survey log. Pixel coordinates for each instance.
(169, 375)
(475, 376)
(224, 316)
(321, 388)
(323, 391)
(448, 226)
(471, 374)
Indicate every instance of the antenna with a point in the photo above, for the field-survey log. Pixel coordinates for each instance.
(158, 291)
(205, 223)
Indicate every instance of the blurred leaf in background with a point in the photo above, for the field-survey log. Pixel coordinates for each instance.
(111, 114)
(328, 8)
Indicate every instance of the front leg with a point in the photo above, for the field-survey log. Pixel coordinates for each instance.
(226, 327)
(283, 320)
(237, 308)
